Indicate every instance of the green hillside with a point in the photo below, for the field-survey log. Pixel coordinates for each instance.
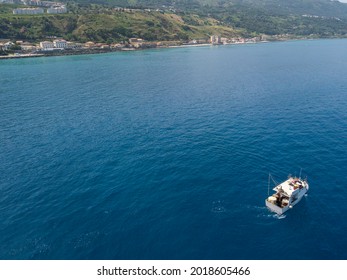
(97, 20)
(112, 26)
(322, 18)
(274, 7)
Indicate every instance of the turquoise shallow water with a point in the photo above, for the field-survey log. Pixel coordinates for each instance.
(165, 154)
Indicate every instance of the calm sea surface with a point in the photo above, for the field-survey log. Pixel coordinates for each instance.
(165, 154)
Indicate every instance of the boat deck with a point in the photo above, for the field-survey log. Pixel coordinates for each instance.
(290, 186)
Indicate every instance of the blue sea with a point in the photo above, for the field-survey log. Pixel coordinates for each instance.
(165, 154)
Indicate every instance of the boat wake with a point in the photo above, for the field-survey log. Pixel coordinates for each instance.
(265, 213)
(217, 207)
(279, 217)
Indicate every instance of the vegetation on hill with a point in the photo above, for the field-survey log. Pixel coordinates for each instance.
(97, 20)
(323, 18)
(112, 26)
(269, 23)
(326, 8)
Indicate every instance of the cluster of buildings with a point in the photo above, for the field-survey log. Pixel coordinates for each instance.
(57, 10)
(28, 11)
(218, 40)
(58, 44)
(61, 44)
(130, 10)
(41, 3)
(35, 11)
(51, 7)
(33, 3)
(55, 45)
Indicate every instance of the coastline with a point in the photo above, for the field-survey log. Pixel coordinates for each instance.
(69, 52)
(14, 56)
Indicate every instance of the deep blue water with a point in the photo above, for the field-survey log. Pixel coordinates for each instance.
(165, 154)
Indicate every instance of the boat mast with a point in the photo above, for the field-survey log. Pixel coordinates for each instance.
(300, 173)
(268, 186)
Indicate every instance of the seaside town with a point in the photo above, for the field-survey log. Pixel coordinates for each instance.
(58, 46)
(55, 45)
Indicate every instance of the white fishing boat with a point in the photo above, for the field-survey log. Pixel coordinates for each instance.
(287, 194)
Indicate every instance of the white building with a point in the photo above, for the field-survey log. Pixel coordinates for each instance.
(28, 11)
(40, 3)
(135, 40)
(57, 10)
(25, 46)
(74, 45)
(46, 45)
(60, 44)
(7, 46)
(215, 40)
